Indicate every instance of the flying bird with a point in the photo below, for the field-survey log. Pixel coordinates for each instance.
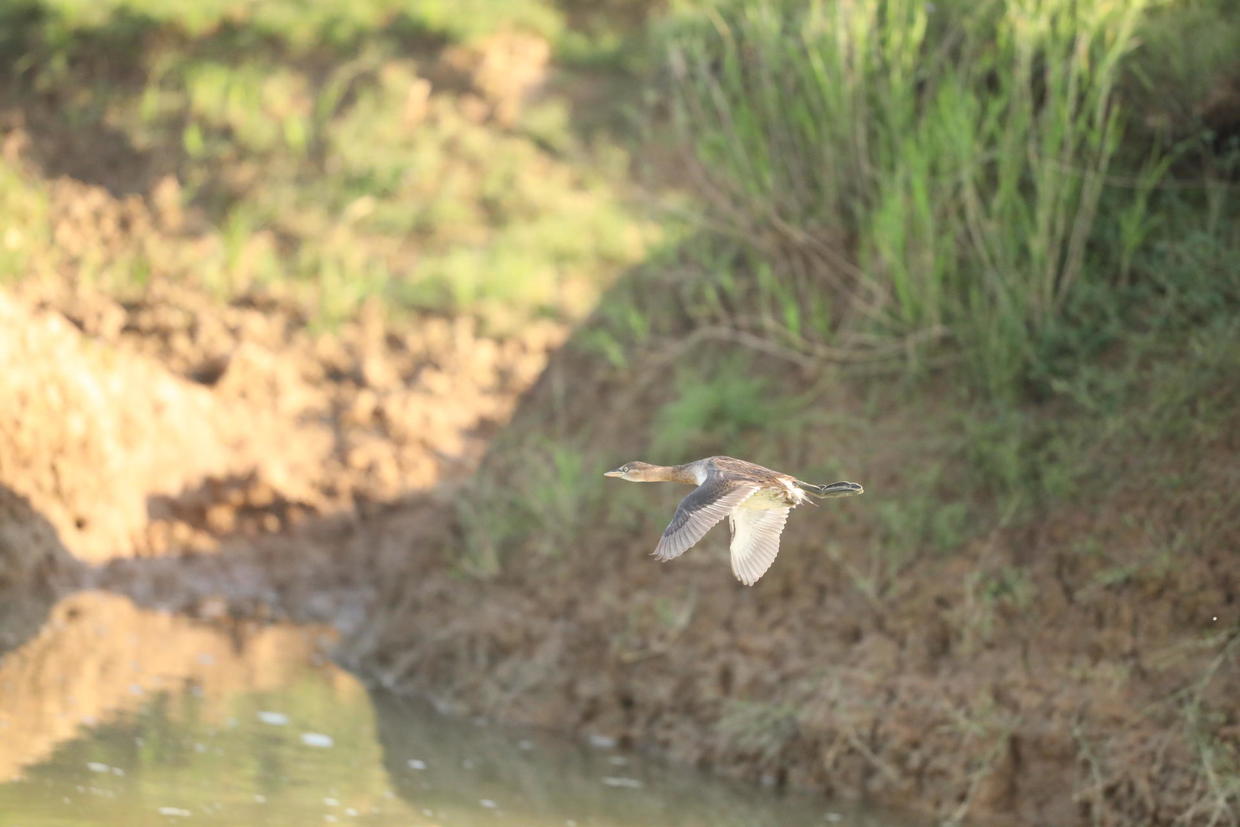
(756, 501)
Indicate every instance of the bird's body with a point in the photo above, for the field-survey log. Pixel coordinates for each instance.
(756, 501)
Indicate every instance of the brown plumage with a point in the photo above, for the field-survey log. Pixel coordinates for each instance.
(756, 501)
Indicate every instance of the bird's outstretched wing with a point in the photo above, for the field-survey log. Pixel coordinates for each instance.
(697, 513)
(755, 541)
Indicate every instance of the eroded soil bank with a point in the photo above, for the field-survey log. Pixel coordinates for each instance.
(310, 475)
(171, 423)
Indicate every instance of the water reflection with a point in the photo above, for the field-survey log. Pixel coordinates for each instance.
(97, 655)
(114, 715)
(450, 768)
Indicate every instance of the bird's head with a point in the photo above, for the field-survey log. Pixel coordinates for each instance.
(636, 471)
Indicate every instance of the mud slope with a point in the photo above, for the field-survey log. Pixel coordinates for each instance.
(170, 424)
(1019, 675)
(89, 436)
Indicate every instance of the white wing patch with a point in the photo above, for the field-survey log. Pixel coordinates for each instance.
(755, 541)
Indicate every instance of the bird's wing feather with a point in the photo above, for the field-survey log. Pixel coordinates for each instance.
(755, 541)
(697, 513)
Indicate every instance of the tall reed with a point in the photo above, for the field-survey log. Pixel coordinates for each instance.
(930, 168)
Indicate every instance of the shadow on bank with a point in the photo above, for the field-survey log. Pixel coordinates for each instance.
(35, 567)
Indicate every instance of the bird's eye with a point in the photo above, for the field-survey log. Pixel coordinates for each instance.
(626, 469)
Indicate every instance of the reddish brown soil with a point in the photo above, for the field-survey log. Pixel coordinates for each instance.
(1013, 679)
(315, 473)
(170, 423)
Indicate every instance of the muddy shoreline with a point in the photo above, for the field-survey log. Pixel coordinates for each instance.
(806, 682)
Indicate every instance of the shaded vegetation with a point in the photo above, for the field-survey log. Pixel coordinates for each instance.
(985, 259)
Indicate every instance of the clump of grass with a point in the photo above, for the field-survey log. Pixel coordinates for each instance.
(338, 175)
(710, 413)
(26, 229)
(539, 502)
(913, 171)
(921, 521)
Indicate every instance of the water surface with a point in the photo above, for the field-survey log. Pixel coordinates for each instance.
(113, 715)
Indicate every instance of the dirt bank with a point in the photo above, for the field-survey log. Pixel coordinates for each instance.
(169, 423)
(1020, 676)
(1016, 677)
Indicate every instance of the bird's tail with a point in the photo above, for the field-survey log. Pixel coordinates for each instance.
(835, 489)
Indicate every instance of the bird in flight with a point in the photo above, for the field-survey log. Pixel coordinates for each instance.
(756, 501)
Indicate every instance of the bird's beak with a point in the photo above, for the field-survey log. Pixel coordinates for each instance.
(616, 473)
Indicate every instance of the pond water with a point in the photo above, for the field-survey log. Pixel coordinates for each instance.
(114, 715)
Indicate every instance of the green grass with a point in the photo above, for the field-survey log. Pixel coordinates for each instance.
(560, 490)
(25, 206)
(914, 172)
(323, 161)
(306, 25)
(715, 414)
